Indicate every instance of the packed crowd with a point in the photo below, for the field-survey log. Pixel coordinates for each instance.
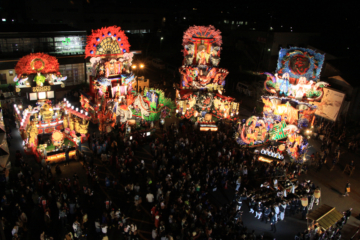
(178, 188)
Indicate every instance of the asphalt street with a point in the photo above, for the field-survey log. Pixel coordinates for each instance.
(332, 184)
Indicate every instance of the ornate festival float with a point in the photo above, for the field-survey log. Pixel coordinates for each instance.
(202, 81)
(113, 98)
(288, 108)
(49, 131)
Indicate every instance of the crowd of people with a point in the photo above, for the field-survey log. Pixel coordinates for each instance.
(195, 187)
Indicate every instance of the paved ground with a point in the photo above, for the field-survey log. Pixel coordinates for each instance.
(332, 184)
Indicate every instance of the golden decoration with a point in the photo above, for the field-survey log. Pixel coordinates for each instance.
(32, 63)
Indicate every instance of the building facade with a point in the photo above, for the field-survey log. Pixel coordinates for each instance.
(67, 44)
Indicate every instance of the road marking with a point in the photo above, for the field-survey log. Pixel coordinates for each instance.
(147, 152)
(145, 210)
(146, 232)
(138, 220)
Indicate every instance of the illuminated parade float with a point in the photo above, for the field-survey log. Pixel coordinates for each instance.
(50, 132)
(113, 97)
(289, 107)
(202, 81)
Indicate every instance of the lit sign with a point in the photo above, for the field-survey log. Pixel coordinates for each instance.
(50, 94)
(70, 44)
(66, 42)
(272, 154)
(42, 95)
(33, 96)
(41, 89)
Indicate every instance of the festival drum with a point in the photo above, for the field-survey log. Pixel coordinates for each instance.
(304, 201)
(317, 193)
(282, 147)
(57, 138)
(108, 128)
(208, 117)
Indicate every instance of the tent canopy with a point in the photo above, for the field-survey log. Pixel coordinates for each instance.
(325, 216)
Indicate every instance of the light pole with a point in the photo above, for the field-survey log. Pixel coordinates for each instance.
(161, 39)
(137, 67)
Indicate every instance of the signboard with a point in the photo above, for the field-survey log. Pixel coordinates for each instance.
(330, 104)
(41, 89)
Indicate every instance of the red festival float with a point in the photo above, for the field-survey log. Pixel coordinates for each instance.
(202, 81)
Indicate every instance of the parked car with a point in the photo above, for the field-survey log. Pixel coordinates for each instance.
(243, 88)
(158, 63)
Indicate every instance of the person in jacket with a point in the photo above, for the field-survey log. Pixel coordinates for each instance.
(273, 222)
(266, 214)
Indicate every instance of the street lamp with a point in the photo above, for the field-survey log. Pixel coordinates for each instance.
(137, 67)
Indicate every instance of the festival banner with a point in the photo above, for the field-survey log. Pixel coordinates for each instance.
(330, 105)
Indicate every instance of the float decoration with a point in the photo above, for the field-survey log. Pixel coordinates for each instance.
(295, 84)
(202, 45)
(57, 138)
(36, 62)
(297, 75)
(160, 106)
(60, 122)
(45, 67)
(300, 62)
(253, 132)
(112, 98)
(199, 106)
(107, 41)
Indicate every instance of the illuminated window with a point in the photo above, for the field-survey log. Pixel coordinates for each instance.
(245, 23)
(4, 19)
(232, 22)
